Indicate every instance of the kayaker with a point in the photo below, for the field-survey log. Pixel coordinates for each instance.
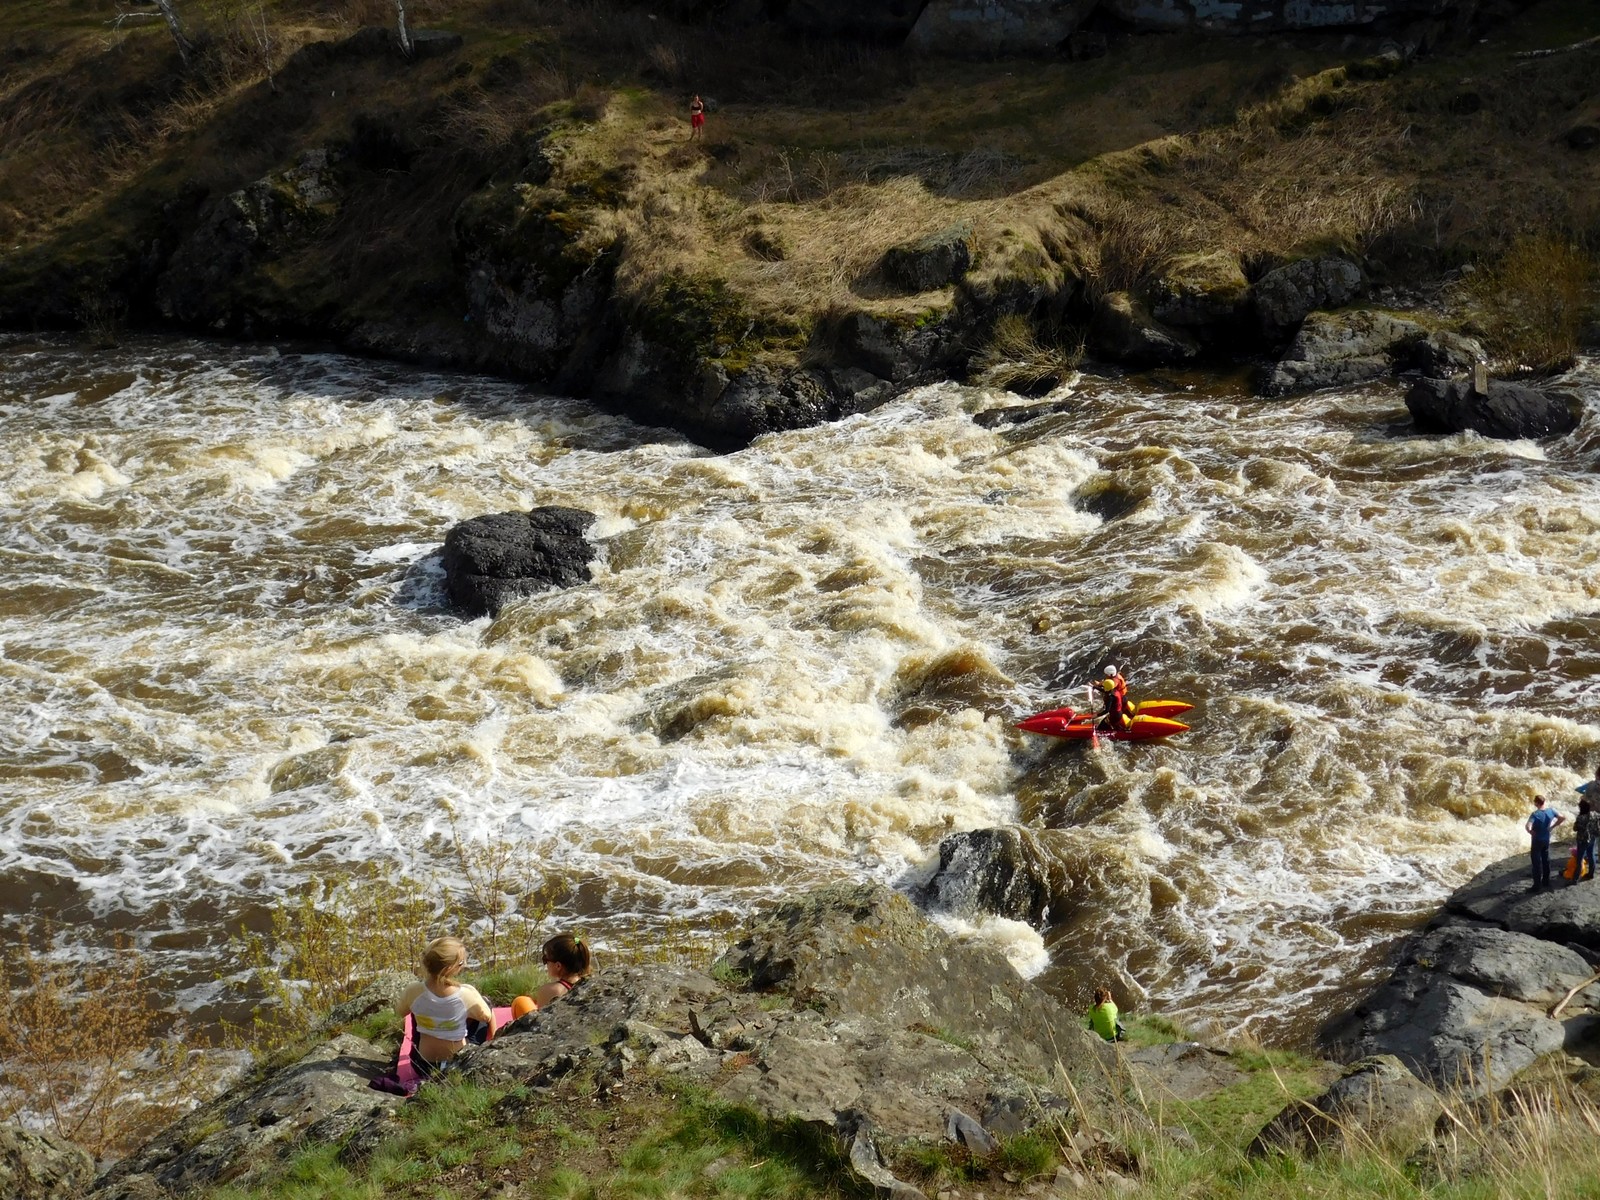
(1114, 695)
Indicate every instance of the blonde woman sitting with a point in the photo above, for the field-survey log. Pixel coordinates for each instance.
(446, 1013)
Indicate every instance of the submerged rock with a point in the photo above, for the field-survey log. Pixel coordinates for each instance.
(491, 560)
(1504, 410)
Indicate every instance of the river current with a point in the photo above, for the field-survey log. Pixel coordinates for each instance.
(226, 667)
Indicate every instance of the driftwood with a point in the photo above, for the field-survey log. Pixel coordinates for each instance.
(1595, 978)
(1594, 41)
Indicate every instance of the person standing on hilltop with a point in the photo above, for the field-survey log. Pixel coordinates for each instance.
(1538, 825)
(697, 116)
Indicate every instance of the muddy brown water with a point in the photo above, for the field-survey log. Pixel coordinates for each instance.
(227, 671)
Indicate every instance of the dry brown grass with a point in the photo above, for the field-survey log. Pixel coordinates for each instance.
(1534, 302)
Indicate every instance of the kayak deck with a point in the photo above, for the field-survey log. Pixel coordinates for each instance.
(1152, 719)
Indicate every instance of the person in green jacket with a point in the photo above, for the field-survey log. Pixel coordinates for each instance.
(1103, 1016)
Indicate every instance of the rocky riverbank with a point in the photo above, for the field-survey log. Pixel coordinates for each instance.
(847, 1018)
(457, 212)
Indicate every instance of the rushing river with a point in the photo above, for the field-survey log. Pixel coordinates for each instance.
(225, 665)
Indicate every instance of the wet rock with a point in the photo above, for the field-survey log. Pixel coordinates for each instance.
(935, 261)
(863, 950)
(1001, 872)
(491, 560)
(1338, 349)
(1377, 1102)
(321, 1098)
(41, 1166)
(1285, 297)
(1124, 331)
(1504, 410)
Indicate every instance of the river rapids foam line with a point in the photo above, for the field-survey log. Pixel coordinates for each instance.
(228, 671)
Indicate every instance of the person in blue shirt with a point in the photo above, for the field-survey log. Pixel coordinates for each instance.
(1538, 825)
(1592, 788)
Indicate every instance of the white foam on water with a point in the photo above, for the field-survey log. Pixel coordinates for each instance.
(230, 669)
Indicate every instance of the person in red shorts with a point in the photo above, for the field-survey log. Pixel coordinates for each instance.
(697, 116)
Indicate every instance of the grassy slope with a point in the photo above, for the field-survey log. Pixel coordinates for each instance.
(826, 154)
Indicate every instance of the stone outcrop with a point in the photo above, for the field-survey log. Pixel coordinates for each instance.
(1255, 16)
(1286, 296)
(1502, 410)
(1124, 331)
(1338, 349)
(491, 560)
(1200, 292)
(41, 1166)
(1468, 1004)
(323, 1097)
(1377, 1102)
(969, 27)
(931, 262)
(1001, 872)
(239, 233)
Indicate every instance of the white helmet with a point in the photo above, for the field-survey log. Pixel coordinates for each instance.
(1111, 669)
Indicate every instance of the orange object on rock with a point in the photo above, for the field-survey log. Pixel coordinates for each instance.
(522, 1006)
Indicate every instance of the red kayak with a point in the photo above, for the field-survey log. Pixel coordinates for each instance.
(1151, 719)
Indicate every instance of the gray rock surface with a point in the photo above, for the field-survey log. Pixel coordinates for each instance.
(1181, 1070)
(41, 1166)
(1508, 410)
(1469, 1000)
(1285, 297)
(1376, 1102)
(320, 1098)
(1439, 354)
(931, 262)
(1001, 872)
(1237, 16)
(1124, 331)
(1338, 349)
(491, 560)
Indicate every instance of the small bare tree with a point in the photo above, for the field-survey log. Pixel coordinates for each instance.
(168, 11)
(405, 34)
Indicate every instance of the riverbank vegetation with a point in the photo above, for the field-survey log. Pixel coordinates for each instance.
(818, 157)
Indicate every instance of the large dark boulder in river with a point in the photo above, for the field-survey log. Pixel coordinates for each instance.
(1002, 872)
(41, 1166)
(1503, 410)
(1469, 1002)
(491, 560)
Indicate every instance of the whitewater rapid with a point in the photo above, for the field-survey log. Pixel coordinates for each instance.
(228, 670)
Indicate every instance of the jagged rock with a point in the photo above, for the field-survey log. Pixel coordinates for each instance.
(999, 872)
(491, 560)
(930, 262)
(41, 1166)
(1199, 291)
(239, 232)
(1439, 354)
(1337, 349)
(1283, 298)
(1377, 1102)
(1468, 1002)
(761, 400)
(320, 1098)
(1508, 410)
(864, 950)
(1124, 331)
(987, 27)
(883, 347)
